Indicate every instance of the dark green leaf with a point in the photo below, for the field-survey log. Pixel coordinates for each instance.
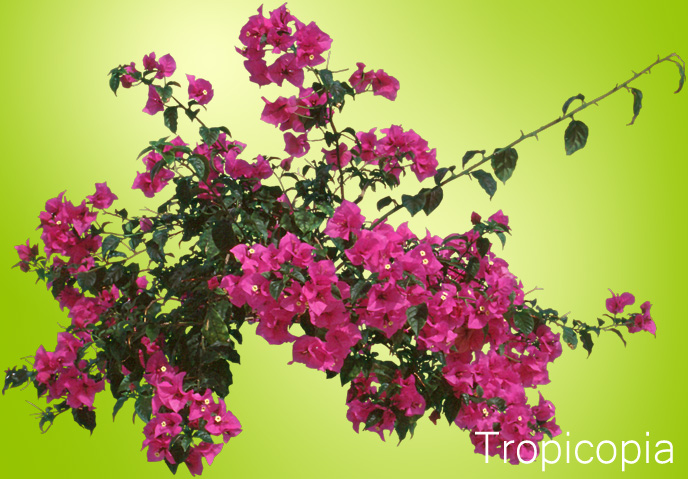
(682, 73)
(468, 155)
(472, 269)
(575, 136)
(114, 83)
(85, 418)
(569, 337)
(413, 203)
(214, 327)
(143, 408)
(15, 377)
(433, 198)
(350, 369)
(109, 244)
(359, 290)
(326, 77)
(200, 165)
(568, 102)
(483, 245)
(486, 181)
(118, 405)
(170, 117)
(307, 221)
(618, 333)
(637, 103)
(86, 280)
(451, 407)
(155, 253)
(276, 288)
(524, 322)
(223, 235)
(157, 167)
(209, 135)
(586, 339)
(374, 417)
(387, 200)
(441, 173)
(416, 316)
(504, 163)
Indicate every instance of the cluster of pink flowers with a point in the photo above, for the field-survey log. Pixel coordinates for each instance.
(199, 90)
(299, 46)
(381, 83)
(642, 321)
(396, 146)
(364, 399)
(177, 412)
(65, 229)
(65, 376)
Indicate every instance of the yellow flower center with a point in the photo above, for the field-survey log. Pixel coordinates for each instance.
(425, 261)
(163, 424)
(163, 369)
(218, 419)
(444, 296)
(310, 57)
(298, 303)
(204, 92)
(254, 288)
(251, 251)
(388, 266)
(486, 412)
(422, 253)
(206, 401)
(520, 418)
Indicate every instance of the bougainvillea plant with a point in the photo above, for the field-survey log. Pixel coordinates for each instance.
(414, 325)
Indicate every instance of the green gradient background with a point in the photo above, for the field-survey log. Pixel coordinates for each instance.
(472, 76)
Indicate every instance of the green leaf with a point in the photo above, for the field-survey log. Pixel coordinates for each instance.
(504, 163)
(157, 167)
(413, 203)
(637, 104)
(359, 290)
(524, 322)
(618, 333)
(682, 73)
(451, 407)
(86, 279)
(568, 102)
(223, 235)
(209, 135)
(433, 198)
(416, 316)
(374, 417)
(468, 155)
(386, 201)
(118, 405)
(486, 181)
(441, 173)
(326, 77)
(483, 245)
(114, 83)
(85, 418)
(170, 117)
(307, 221)
(109, 244)
(350, 369)
(586, 339)
(276, 288)
(569, 337)
(575, 136)
(200, 165)
(15, 377)
(214, 327)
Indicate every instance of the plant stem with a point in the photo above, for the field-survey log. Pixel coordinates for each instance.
(535, 132)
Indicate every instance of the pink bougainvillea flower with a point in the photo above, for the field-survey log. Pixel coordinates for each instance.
(385, 85)
(154, 103)
(297, 146)
(103, 197)
(149, 62)
(347, 219)
(643, 322)
(166, 66)
(617, 303)
(200, 90)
